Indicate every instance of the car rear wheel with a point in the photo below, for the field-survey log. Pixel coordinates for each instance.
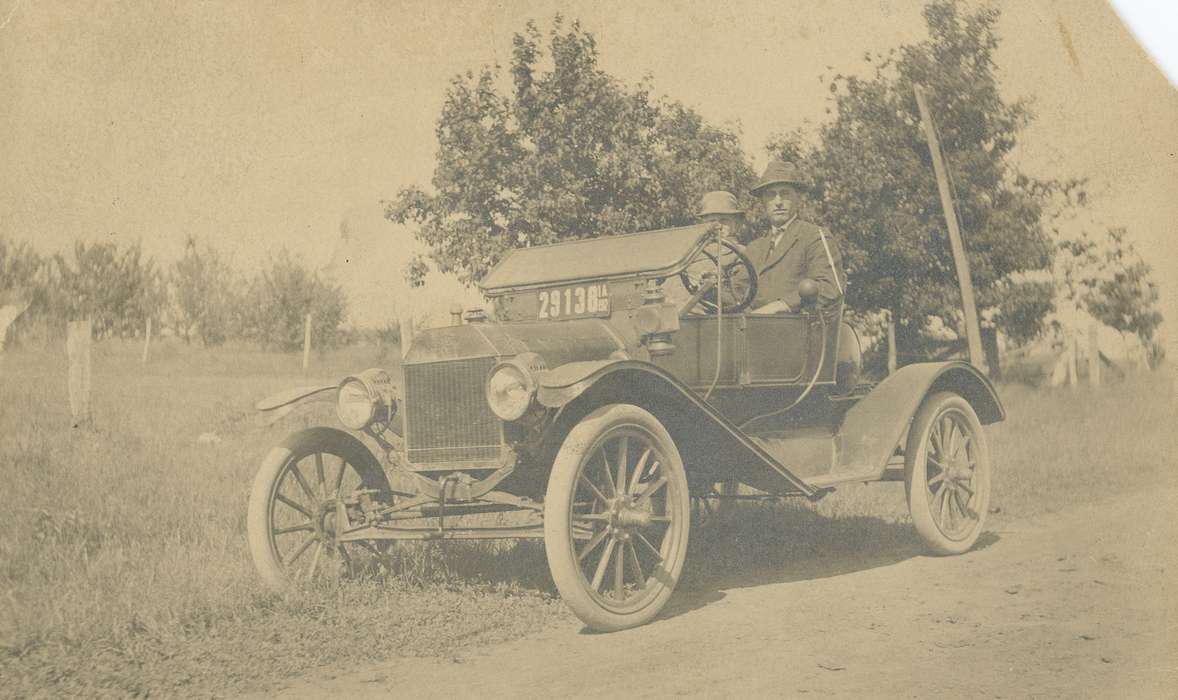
(947, 474)
(616, 518)
(301, 494)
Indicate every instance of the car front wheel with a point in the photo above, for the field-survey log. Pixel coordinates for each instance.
(303, 492)
(616, 518)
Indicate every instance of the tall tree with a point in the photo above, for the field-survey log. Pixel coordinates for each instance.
(205, 293)
(568, 152)
(118, 289)
(280, 297)
(1108, 279)
(872, 169)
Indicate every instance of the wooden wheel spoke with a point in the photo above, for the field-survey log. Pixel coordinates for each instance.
(347, 560)
(934, 438)
(315, 560)
(964, 486)
(298, 475)
(320, 475)
(599, 574)
(283, 499)
(652, 488)
(639, 468)
(620, 573)
(963, 506)
(609, 476)
(623, 456)
(950, 437)
(942, 509)
(936, 479)
(646, 543)
(592, 544)
(596, 491)
(301, 548)
(305, 527)
(339, 477)
(632, 554)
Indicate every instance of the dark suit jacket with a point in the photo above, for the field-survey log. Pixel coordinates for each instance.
(798, 255)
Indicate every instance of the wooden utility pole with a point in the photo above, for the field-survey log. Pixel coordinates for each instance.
(973, 334)
(891, 343)
(307, 342)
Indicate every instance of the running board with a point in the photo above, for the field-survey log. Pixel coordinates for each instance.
(893, 472)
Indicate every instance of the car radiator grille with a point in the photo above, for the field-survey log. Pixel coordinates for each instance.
(447, 418)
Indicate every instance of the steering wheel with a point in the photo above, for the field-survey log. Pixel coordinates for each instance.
(738, 281)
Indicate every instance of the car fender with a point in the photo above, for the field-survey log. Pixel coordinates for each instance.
(276, 406)
(871, 429)
(713, 448)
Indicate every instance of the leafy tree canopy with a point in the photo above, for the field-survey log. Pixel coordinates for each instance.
(118, 289)
(1109, 279)
(873, 174)
(568, 151)
(205, 294)
(279, 299)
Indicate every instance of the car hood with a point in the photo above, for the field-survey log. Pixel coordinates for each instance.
(557, 342)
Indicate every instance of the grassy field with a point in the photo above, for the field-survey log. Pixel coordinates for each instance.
(124, 571)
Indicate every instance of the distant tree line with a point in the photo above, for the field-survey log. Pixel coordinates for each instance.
(200, 297)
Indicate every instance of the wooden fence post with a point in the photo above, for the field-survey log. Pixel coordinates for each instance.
(146, 341)
(77, 345)
(1073, 375)
(307, 342)
(1093, 355)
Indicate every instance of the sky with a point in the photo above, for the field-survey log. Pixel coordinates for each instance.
(261, 124)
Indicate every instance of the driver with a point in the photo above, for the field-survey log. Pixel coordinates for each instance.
(720, 207)
(794, 250)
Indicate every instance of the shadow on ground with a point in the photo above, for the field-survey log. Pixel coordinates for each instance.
(754, 545)
(757, 546)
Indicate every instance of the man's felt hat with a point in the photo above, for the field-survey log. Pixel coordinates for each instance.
(779, 171)
(718, 202)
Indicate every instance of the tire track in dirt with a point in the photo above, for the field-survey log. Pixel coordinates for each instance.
(1075, 604)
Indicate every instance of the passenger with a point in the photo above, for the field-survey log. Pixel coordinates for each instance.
(793, 250)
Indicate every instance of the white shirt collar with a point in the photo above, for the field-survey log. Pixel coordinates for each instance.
(781, 231)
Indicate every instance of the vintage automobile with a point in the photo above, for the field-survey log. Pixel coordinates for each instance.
(621, 380)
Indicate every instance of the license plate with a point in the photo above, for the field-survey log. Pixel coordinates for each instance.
(575, 301)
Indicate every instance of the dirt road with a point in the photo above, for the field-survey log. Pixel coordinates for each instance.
(1080, 604)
